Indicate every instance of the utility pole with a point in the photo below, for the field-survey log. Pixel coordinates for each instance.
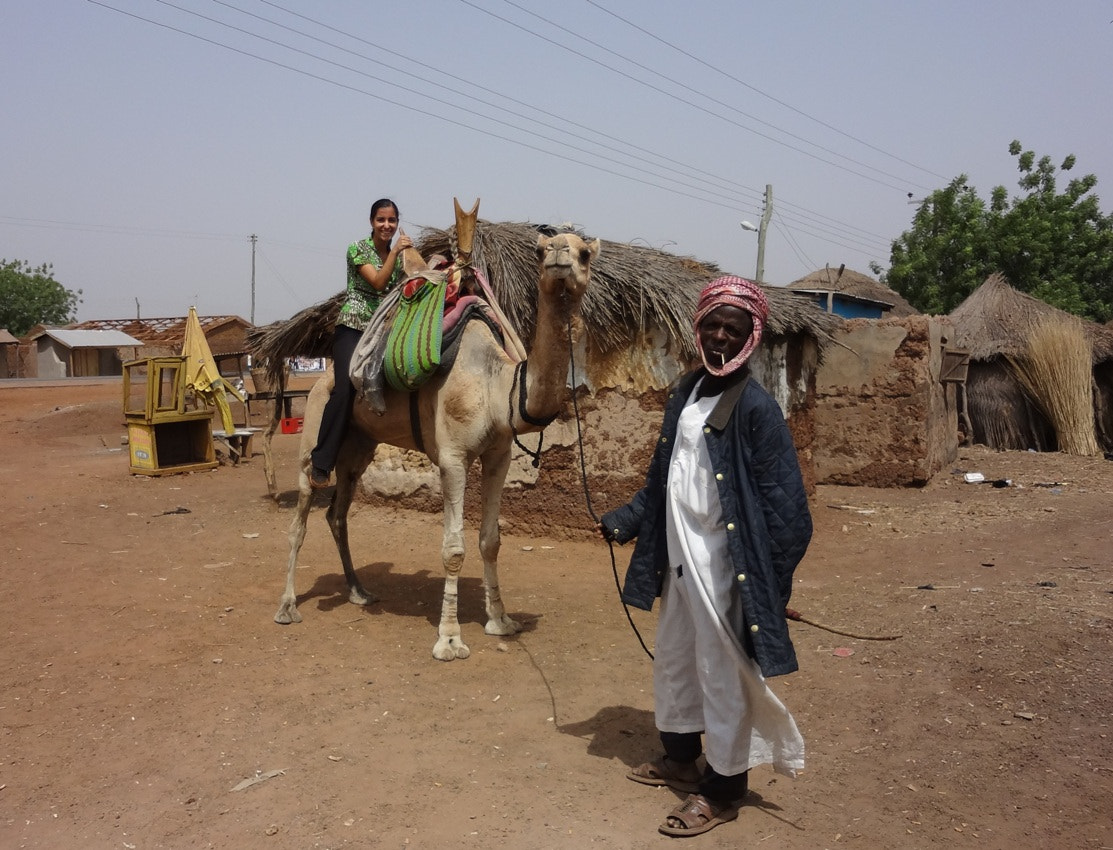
(255, 239)
(761, 231)
(764, 226)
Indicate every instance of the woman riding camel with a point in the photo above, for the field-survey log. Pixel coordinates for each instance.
(374, 268)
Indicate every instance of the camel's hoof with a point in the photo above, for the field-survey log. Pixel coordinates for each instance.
(359, 596)
(502, 626)
(449, 649)
(286, 615)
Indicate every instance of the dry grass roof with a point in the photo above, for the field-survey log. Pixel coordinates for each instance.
(996, 320)
(849, 282)
(633, 288)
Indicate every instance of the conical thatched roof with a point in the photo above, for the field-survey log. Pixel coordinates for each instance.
(850, 282)
(995, 320)
(632, 288)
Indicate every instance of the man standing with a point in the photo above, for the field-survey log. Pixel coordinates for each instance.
(721, 524)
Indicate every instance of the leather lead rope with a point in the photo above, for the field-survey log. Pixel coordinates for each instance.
(587, 494)
(520, 379)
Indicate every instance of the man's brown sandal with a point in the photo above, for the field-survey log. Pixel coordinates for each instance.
(678, 775)
(697, 815)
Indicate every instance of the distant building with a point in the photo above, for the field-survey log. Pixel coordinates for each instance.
(164, 337)
(65, 353)
(42, 353)
(9, 354)
(851, 294)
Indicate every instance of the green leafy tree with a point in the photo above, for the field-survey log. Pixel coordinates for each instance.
(943, 257)
(29, 296)
(1057, 246)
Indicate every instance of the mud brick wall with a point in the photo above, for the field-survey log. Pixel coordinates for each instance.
(882, 417)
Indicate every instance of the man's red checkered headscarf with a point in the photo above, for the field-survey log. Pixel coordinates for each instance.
(738, 292)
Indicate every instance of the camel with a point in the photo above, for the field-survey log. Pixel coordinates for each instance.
(464, 413)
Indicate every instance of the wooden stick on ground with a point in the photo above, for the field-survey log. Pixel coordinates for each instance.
(800, 618)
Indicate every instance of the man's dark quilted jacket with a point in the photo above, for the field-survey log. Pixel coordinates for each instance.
(764, 510)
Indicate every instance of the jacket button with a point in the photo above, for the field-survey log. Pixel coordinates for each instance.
(664, 439)
(753, 628)
(718, 476)
(616, 532)
(730, 526)
(706, 429)
(741, 576)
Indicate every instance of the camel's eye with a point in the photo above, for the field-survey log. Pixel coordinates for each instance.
(585, 256)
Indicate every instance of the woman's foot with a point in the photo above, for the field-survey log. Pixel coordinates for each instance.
(678, 775)
(318, 478)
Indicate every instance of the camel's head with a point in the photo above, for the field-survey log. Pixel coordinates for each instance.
(565, 263)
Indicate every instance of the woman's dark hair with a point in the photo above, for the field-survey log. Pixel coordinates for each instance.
(384, 202)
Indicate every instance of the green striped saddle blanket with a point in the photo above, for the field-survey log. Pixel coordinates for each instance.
(413, 347)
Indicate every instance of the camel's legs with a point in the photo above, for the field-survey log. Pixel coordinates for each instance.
(495, 465)
(288, 606)
(450, 644)
(355, 455)
(268, 459)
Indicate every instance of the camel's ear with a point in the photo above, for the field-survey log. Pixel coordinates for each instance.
(542, 241)
(595, 247)
(465, 227)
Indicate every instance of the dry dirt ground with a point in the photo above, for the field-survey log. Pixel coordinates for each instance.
(142, 679)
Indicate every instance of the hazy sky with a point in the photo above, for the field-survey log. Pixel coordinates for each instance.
(145, 141)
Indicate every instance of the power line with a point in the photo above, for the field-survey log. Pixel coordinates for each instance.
(793, 244)
(673, 164)
(677, 188)
(721, 199)
(766, 95)
(115, 228)
(626, 145)
(681, 100)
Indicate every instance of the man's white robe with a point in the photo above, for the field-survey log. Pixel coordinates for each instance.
(703, 681)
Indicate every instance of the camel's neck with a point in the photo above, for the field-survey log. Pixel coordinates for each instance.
(547, 372)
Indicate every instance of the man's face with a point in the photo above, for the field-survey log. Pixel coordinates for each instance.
(723, 332)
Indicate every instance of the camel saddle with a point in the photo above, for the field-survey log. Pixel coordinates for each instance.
(413, 345)
(415, 332)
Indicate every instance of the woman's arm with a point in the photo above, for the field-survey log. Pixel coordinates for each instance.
(379, 276)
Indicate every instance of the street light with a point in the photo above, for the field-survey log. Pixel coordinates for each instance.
(760, 231)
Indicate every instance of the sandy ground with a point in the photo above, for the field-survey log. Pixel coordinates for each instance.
(142, 678)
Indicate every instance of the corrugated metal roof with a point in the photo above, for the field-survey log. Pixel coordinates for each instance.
(849, 296)
(91, 339)
(164, 332)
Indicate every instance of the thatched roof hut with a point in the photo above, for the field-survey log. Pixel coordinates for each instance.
(637, 337)
(634, 290)
(995, 320)
(847, 282)
(993, 324)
